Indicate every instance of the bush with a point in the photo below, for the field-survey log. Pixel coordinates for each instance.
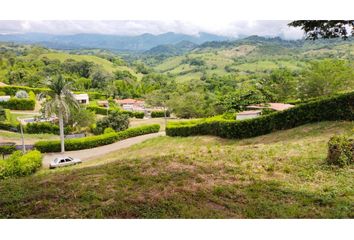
(115, 120)
(7, 148)
(19, 164)
(20, 103)
(95, 141)
(41, 127)
(103, 111)
(334, 108)
(158, 114)
(341, 151)
(8, 126)
(108, 130)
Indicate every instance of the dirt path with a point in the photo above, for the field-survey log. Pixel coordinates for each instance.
(90, 154)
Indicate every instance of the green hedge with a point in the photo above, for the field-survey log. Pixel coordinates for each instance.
(103, 111)
(19, 164)
(159, 114)
(95, 141)
(20, 103)
(334, 108)
(7, 148)
(8, 126)
(341, 150)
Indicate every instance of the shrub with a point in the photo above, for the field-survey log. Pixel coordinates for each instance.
(20, 103)
(8, 126)
(41, 127)
(103, 111)
(334, 108)
(7, 148)
(340, 151)
(108, 130)
(19, 164)
(115, 120)
(95, 141)
(158, 114)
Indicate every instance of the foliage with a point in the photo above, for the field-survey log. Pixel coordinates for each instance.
(82, 118)
(115, 120)
(333, 108)
(19, 164)
(315, 29)
(95, 141)
(108, 130)
(159, 114)
(341, 150)
(20, 103)
(7, 148)
(326, 77)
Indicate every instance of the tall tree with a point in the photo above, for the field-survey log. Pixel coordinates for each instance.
(315, 29)
(60, 101)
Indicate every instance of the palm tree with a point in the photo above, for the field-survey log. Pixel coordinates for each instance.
(59, 101)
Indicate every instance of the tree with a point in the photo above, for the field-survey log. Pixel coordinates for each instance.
(315, 29)
(326, 77)
(114, 120)
(159, 98)
(60, 101)
(82, 118)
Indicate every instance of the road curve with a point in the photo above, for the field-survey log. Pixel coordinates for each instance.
(87, 154)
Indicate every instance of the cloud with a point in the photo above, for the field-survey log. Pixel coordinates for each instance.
(136, 27)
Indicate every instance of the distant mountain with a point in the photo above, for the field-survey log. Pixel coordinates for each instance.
(111, 42)
(172, 49)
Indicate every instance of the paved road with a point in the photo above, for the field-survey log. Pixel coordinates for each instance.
(89, 154)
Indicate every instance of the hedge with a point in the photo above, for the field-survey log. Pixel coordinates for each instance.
(19, 164)
(7, 148)
(341, 150)
(20, 103)
(8, 126)
(158, 114)
(11, 90)
(95, 141)
(333, 108)
(103, 111)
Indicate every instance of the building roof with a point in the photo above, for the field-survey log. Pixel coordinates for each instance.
(250, 112)
(274, 106)
(129, 101)
(82, 96)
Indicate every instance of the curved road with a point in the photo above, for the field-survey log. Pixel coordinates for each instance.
(87, 154)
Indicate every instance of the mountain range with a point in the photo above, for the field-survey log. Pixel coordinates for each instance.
(142, 42)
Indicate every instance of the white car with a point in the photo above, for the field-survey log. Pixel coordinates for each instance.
(63, 161)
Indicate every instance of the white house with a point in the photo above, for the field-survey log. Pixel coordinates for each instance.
(82, 98)
(4, 98)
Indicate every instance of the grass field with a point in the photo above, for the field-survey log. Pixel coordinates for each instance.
(280, 175)
(107, 65)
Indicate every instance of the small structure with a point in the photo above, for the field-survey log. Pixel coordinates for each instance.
(256, 110)
(4, 98)
(248, 114)
(132, 104)
(82, 98)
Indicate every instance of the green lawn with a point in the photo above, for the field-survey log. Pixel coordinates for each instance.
(279, 175)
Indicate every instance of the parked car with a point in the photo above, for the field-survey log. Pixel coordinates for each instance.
(63, 161)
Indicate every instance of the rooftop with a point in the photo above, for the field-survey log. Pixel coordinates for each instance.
(274, 106)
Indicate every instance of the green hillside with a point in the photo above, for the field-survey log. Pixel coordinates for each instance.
(279, 175)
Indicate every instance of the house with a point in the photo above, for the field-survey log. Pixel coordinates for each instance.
(4, 98)
(82, 98)
(248, 114)
(256, 110)
(130, 104)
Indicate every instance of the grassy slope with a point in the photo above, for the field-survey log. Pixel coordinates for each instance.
(107, 65)
(280, 175)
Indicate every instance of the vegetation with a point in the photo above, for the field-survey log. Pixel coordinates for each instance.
(279, 175)
(60, 101)
(341, 150)
(95, 141)
(19, 164)
(333, 108)
(115, 120)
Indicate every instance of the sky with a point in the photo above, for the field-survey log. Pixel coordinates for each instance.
(268, 28)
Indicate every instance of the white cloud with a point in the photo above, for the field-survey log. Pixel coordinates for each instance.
(135, 27)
